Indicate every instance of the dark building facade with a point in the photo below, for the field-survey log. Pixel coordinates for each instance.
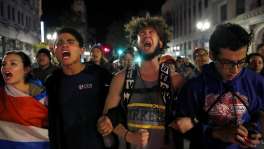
(19, 25)
(184, 15)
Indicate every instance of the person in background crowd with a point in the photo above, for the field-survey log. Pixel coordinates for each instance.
(147, 124)
(23, 106)
(45, 66)
(188, 68)
(200, 58)
(224, 104)
(97, 57)
(76, 94)
(126, 60)
(260, 49)
(256, 63)
(179, 64)
(185, 67)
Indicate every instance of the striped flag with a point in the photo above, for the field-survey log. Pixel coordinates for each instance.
(16, 136)
(22, 119)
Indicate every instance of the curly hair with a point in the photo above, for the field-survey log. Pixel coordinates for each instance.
(138, 23)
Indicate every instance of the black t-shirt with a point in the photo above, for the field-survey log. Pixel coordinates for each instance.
(80, 103)
(80, 107)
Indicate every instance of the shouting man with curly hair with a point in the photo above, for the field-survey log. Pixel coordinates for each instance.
(138, 93)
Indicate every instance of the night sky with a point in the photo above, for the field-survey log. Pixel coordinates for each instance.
(101, 13)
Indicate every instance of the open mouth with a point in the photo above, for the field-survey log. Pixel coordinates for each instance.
(66, 54)
(7, 75)
(147, 44)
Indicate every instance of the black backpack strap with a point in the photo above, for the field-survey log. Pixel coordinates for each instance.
(166, 95)
(129, 84)
(165, 82)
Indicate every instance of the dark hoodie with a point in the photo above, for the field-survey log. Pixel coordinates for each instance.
(200, 94)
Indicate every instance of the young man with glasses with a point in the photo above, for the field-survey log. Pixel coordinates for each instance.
(76, 96)
(200, 58)
(226, 100)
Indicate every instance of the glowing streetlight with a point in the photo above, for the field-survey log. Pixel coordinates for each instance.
(203, 25)
(52, 37)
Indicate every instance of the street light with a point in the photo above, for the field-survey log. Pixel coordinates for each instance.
(51, 37)
(203, 26)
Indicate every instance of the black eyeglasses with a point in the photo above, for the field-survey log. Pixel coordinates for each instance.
(231, 64)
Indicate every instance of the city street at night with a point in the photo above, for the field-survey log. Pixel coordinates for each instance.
(132, 74)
